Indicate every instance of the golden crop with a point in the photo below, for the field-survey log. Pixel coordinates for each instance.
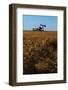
(40, 52)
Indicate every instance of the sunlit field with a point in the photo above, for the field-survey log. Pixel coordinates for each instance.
(40, 52)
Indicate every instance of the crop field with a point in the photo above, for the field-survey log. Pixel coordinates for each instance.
(40, 52)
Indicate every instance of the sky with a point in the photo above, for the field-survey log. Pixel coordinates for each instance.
(32, 21)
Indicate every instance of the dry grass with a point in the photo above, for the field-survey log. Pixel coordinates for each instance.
(40, 52)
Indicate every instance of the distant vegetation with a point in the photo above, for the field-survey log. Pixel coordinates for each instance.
(40, 52)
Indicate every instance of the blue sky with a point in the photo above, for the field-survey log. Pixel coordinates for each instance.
(31, 21)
